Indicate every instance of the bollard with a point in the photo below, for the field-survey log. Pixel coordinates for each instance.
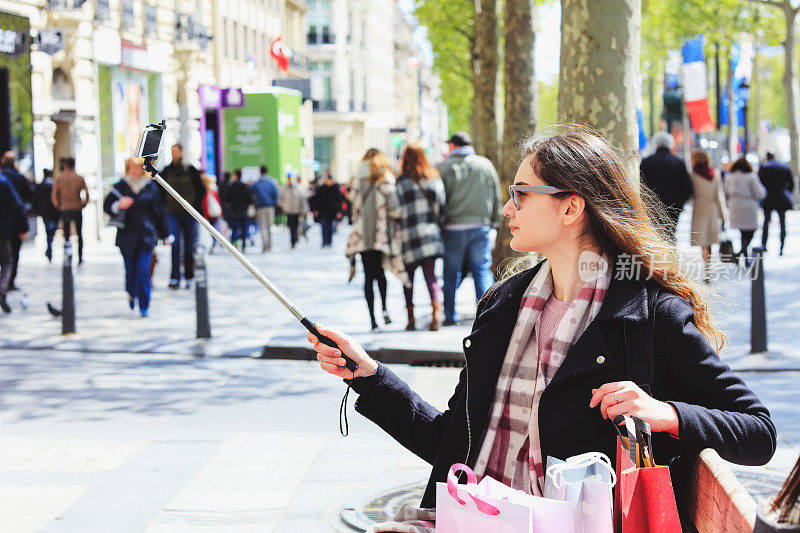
(201, 292)
(758, 307)
(67, 292)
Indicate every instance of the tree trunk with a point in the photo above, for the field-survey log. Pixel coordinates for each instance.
(599, 74)
(519, 118)
(484, 80)
(790, 86)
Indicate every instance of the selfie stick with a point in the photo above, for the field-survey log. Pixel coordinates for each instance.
(276, 292)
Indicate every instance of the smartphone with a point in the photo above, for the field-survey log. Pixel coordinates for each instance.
(151, 140)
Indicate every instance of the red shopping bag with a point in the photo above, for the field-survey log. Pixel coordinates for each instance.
(644, 501)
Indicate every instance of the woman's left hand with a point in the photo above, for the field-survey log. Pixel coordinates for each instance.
(626, 398)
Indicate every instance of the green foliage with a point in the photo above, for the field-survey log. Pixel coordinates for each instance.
(450, 32)
(547, 103)
(769, 90)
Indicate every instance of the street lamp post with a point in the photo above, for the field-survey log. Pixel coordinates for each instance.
(744, 89)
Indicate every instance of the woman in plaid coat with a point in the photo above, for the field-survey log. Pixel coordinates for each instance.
(422, 201)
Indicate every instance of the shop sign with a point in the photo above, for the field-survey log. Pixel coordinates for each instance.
(133, 56)
(13, 42)
(50, 42)
(232, 98)
(210, 96)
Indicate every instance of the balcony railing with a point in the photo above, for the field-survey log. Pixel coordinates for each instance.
(324, 105)
(324, 37)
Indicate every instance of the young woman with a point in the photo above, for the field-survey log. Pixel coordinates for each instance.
(138, 197)
(556, 350)
(743, 192)
(375, 207)
(709, 207)
(422, 202)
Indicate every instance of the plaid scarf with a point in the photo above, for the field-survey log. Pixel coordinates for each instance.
(511, 451)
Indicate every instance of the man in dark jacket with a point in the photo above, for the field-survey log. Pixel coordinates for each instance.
(24, 190)
(187, 181)
(13, 224)
(326, 205)
(666, 175)
(43, 203)
(238, 197)
(777, 179)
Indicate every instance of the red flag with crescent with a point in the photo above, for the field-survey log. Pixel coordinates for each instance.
(280, 53)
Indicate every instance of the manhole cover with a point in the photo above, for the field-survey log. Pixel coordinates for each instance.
(378, 508)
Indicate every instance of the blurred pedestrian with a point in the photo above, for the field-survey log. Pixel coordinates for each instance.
(24, 189)
(777, 179)
(142, 225)
(326, 205)
(665, 174)
(743, 192)
(44, 208)
(472, 192)
(185, 179)
(293, 200)
(709, 207)
(238, 198)
(373, 235)
(13, 227)
(70, 195)
(422, 201)
(212, 206)
(265, 190)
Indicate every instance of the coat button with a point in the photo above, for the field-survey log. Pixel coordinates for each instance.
(601, 359)
(467, 343)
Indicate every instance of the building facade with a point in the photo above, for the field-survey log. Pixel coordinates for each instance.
(366, 77)
(101, 70)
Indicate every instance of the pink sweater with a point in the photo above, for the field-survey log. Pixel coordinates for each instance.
(551, 316)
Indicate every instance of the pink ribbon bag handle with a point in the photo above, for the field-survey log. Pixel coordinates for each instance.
(452, 487)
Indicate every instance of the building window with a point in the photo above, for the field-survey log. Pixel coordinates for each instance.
(323, 152)
(151, 19)
(321, 91)
(319, 22)
(103, 11)
(128, 16)
(236, 38)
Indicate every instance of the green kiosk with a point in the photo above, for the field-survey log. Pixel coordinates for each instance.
(265, 130)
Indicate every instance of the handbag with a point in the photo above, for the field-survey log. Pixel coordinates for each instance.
(644, 501)
(491, 507)
(118, 220)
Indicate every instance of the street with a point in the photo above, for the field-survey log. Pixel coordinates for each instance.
(128, 426)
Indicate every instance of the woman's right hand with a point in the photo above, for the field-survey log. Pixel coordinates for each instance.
(330, 359)
(125, 202)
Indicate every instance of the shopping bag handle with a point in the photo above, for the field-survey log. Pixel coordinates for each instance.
(638, 432)
(452, 487)
(584, 459)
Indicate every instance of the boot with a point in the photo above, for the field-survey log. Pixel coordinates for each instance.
(436, 316)
(411, 323)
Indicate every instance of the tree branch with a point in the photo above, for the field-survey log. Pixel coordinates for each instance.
(773, 3)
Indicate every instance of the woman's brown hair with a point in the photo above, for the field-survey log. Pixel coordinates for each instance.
(379, 167)
(623, 219)
(369, 154)
(787, 502)
(415, 164)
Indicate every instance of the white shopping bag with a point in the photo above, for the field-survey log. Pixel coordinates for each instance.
(586, 481)
(491, 507)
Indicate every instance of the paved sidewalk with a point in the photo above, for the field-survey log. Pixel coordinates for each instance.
(245, 317)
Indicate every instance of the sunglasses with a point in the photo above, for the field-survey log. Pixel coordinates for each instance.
(514, 191)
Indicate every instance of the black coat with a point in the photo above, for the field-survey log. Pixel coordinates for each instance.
(43, 202)
(327, 201)
(12, 214)
(715, 408)
(21, 184)
(144, 219)
(666, 175)
(777, 179)
(238, 198)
